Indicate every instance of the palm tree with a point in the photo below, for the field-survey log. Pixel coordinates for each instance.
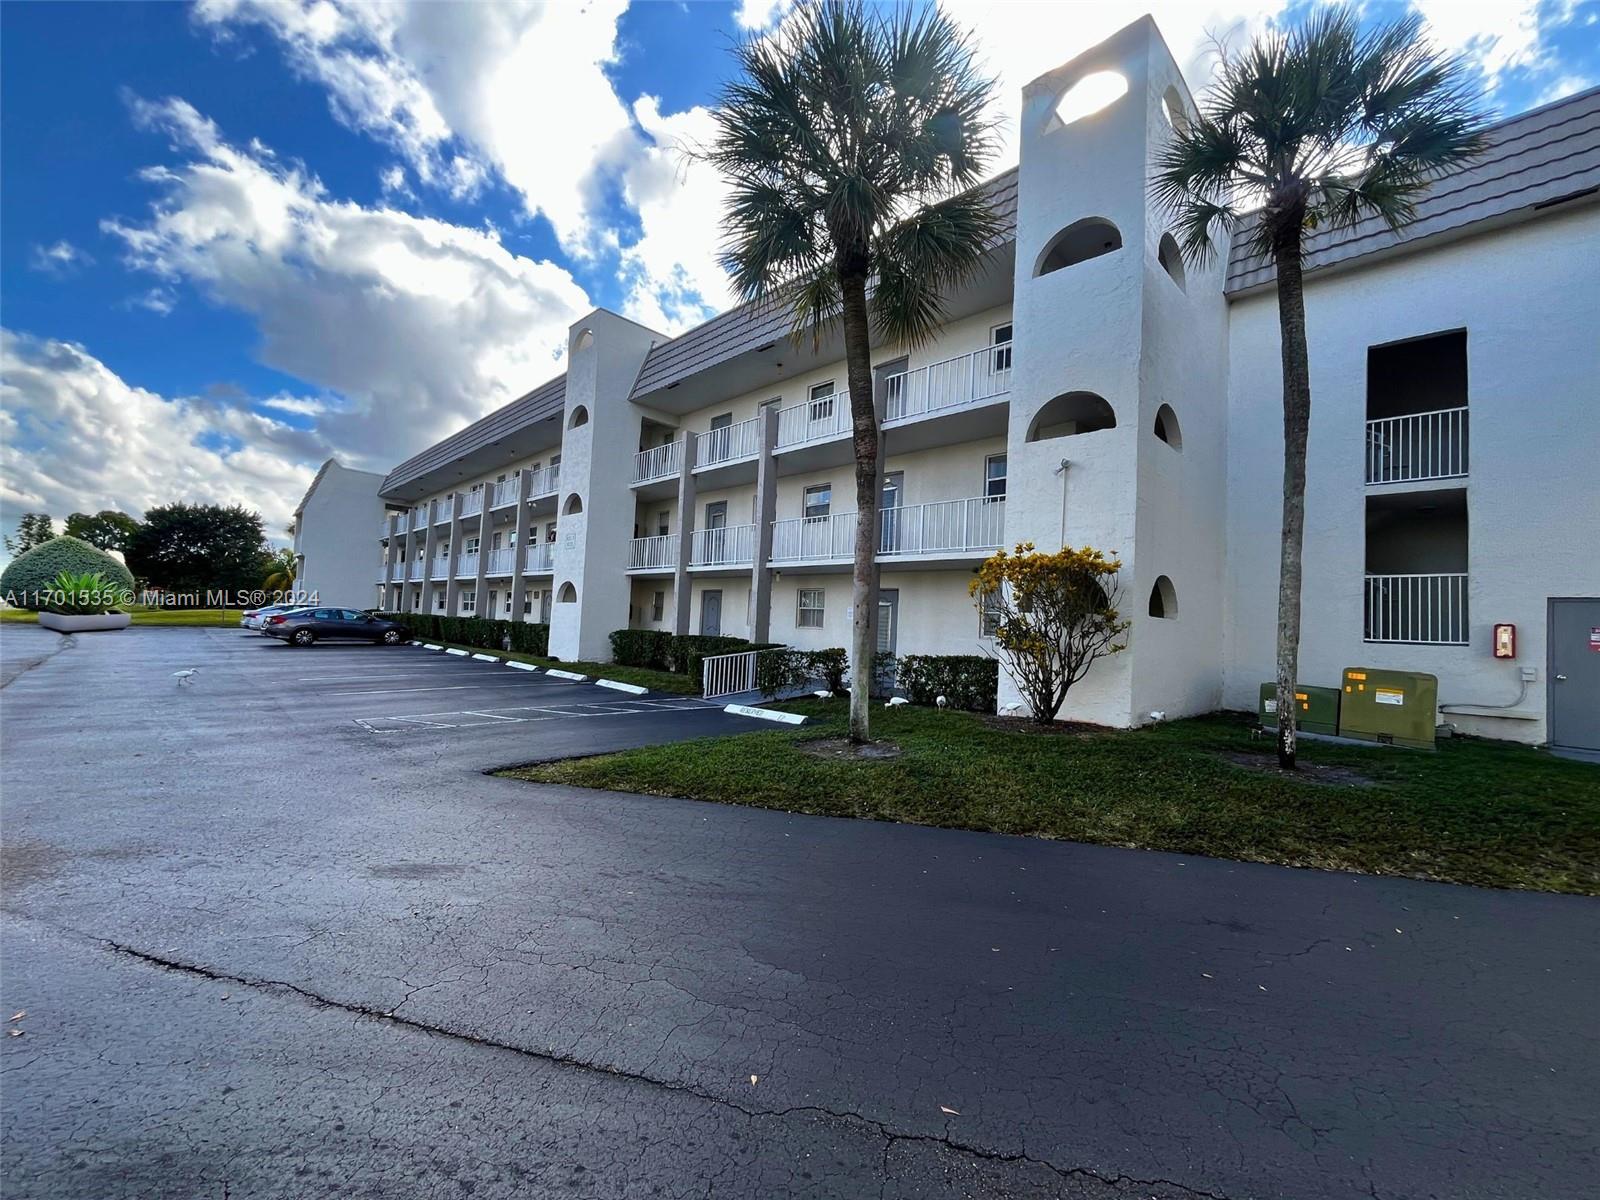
(1324, 126)
(281, 568)
(853, 140)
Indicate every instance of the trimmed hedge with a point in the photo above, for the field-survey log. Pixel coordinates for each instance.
(967, 681)
(783, 668)
(650, 648)
(482, 632)
(34, 572)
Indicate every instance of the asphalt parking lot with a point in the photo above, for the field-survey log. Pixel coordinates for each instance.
(269, 939)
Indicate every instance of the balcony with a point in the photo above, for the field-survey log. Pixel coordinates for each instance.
(414, 571)
(943, 529)
(472, 503)
(546, 482)
(440, 568)
(1417, 609)
(419, 517)
(954, 383)
(505, 492)
(539, 559)
(501, 562)
(383, 572)
(731, 443)
(814, 421)
(730, 546)
(659, 462)
(1417, 446)
(466, 566)
(658, 553)
(392, 524)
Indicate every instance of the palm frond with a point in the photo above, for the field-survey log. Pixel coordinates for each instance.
(923, 259)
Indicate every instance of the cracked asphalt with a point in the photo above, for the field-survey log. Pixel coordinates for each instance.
(265, 951)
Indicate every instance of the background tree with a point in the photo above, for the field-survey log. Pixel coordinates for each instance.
(199, 548)
(1055, 616)
(852, 139)
(1323, 125)
(34, 529)
(281, 567)
(107, 529)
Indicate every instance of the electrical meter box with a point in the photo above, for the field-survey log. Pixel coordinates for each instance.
(1398, 708)
(1316, 708)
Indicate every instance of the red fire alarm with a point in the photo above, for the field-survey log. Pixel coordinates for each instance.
(1505, 641)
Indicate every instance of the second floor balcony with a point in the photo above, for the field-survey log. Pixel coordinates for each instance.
(728, 546)
(501, 562)
(439, 568)
(658, 553)
(414, 571)
(539, 558)
(1417, 446)
(941, 529)
(466, 565)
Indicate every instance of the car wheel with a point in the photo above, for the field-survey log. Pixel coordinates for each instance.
(303, 637)
(391, 637)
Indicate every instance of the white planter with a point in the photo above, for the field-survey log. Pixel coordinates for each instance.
(84, 624)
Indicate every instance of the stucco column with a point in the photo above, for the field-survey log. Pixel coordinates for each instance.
(766, 512)
(880, 395)
(452, 590)
(429, 546)
(482, 533)
(519, 577)
(686, 503)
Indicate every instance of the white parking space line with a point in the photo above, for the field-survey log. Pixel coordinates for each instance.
(524, 713)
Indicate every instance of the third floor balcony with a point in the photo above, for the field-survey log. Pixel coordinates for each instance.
(658, 462)
(1417, 446)
(945, 529)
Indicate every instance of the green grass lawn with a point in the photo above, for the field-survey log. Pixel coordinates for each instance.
(660, 681)
(1478, 812)
(145, 615)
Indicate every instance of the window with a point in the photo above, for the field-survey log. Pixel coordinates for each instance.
(994, 476)
(1000, 353)
(506, 607)
(658, 605)
(498, 542)
(494, 599)
(821, 397)
(1079, 242)
(470, 546)
(663, 522)
(818, 500)
(989, 617)
(438, 601)
(469, 602)
(808, 608)
(527, 602)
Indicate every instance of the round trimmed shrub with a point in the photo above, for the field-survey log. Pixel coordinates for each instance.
(29, 574)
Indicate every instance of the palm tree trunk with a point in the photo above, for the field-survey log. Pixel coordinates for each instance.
(1296, 425)
(864, 435)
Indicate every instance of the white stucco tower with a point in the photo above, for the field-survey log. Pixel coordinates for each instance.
(600, 436)
(1120, 374)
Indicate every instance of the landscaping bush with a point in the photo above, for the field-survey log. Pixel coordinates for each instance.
(780, 669)
(829, 666)
(84, 594)
(968, 681)
(30, 576)
(642, 648)
(687, 650)
(530, 638)
(485, 634)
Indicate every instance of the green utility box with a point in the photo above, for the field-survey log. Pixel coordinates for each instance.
(1397, 708)
(1317, 708)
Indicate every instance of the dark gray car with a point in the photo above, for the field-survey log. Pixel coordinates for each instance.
(307, 625)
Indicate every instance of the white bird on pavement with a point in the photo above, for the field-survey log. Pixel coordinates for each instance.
(185, 675)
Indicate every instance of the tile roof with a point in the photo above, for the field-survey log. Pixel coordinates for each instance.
(1548, 154)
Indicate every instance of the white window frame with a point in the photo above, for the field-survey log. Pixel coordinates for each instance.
(805, 503)
(468, 603)
(988, 622)
(987, 479)
(819, 605)
(1000, 349)
(819, 399)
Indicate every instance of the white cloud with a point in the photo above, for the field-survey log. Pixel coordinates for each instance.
(74, 436)
(61, 259)
(758, 15)
(421, 325)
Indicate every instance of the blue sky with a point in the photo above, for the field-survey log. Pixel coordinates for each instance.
(239, 236)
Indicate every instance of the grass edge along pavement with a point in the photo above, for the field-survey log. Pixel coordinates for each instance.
(656, 681)
(150, 617)
(1481, 812)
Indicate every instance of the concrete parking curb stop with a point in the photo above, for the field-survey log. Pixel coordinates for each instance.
(764, 714)
(486, 658)
(634, 688)
(617, 685)
(453, 650)
(521, 666)
(573, 675)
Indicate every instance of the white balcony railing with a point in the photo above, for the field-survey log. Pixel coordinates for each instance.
(1417, 608)
(730, 546)
(728, 444)
(419, 517)
(414, 571)
(502, 562)
(466, 564)
(814, 421)
(383, 571)
(653, 553)
(440, 568)
(472, 503)
(1430, 445)
(954, 527)
(545, 481)
(392, 524)
(540, 559)
(964, 379)
(505, 492)
(943, 527)
(659, 462)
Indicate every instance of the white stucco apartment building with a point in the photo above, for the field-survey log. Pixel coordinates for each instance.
(332, 538)
(1092, 389)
